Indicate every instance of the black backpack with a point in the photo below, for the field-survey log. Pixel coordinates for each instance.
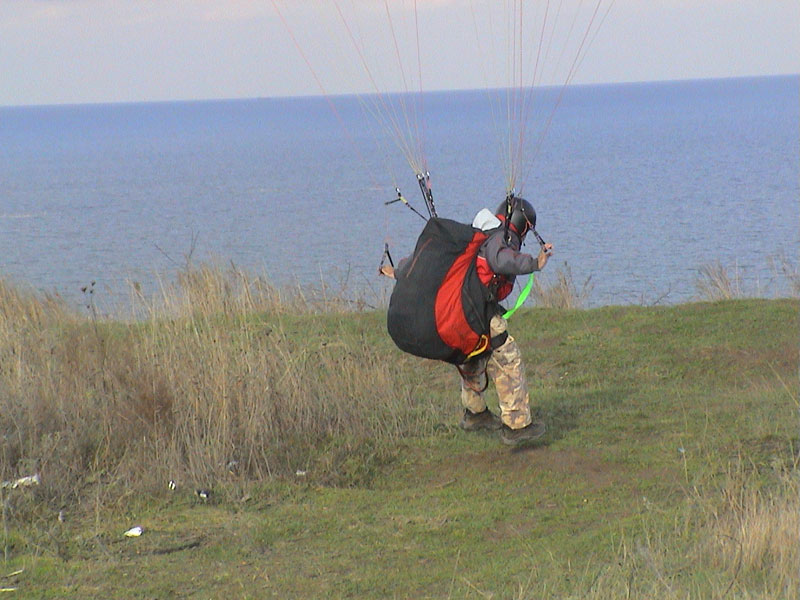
(439, 308)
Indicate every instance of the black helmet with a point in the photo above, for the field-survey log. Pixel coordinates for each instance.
(523, 217)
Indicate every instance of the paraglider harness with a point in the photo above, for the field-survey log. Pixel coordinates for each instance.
(439, 308)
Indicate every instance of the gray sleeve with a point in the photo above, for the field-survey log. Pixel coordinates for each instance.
(505, 259)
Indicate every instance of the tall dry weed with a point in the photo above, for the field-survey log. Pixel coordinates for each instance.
(563, 292)
(20, 308)
(756, 528)
(221, 381)
(736, 538)
(716, 282)
(218, 288)
(790, 271)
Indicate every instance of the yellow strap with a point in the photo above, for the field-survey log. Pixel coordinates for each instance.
(483, 344)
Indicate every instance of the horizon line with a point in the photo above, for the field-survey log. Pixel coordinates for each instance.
(388, 92)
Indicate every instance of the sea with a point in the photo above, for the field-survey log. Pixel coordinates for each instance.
(639, 187)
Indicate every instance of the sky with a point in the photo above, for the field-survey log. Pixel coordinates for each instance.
(88, 51)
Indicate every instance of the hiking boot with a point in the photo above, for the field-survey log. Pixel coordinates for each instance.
(512, 437)
(482, 421)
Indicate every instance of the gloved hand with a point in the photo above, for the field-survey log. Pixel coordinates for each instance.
(545, 253)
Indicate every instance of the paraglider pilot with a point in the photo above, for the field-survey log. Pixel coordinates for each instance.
(499, 260)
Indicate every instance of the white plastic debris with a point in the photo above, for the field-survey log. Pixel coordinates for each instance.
(34, 479)
(203, 494)
(300, 473)
(134, 532)
(172, 485)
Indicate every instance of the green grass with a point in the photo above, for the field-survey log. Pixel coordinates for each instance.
(669, 471)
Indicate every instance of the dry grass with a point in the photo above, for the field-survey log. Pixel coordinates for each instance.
(756, 529)
(725, 545)
(790, 271)
(562, 293)
(217, 288)
(220, 381)
(715, 282)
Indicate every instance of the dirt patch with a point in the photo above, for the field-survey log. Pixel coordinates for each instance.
(585, 463)
(524, 464)
(544, 343)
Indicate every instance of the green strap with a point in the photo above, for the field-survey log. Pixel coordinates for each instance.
(523, 295)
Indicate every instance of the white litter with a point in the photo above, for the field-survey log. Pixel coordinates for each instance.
(34, 479)
(134, 532)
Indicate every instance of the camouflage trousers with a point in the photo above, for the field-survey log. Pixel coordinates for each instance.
(504, 366)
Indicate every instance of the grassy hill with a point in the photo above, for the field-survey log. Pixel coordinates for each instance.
(336, 467)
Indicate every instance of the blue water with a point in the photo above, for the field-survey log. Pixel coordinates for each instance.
(636, 185)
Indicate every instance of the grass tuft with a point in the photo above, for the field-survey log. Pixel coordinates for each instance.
(790, 272)
(715, 282)
(563, 292)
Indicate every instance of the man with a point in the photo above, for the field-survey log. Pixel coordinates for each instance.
(499, 261)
